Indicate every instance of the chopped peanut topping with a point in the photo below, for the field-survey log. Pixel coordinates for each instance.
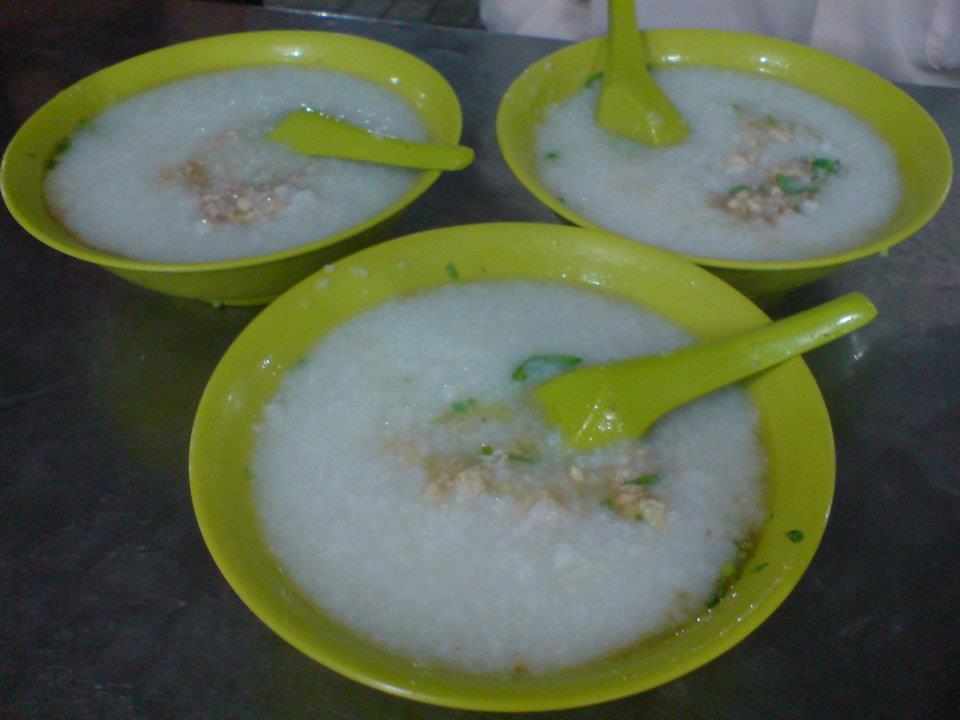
(787, 188)
(223, 199)
(790, 187)
(634, 502)
(499, 451)
(465, 485)
(457, 479)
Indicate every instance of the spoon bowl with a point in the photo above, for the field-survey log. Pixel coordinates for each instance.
(313, 133)
(601, 404)
(631, 103)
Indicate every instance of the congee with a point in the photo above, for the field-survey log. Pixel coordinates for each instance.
(768, 172)
(406, 482)
(183, 173)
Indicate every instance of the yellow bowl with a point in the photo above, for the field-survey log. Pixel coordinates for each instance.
(250, 280)
(794, 424)
(923, 157)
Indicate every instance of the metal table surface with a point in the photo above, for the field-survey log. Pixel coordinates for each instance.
(111, 605)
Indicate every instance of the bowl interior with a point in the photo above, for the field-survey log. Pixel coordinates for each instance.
(35, 144)
(922, 155)
(795, 428)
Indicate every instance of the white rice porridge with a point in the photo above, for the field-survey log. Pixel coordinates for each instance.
(406, 483)
(768, 172)
(183, 173)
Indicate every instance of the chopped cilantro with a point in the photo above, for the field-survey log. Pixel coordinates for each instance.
(551, 155)
(792, 185)
(827, 165)
(648, 479)
(771, 120)
(758, 568)
(593, 78)
(638, 518)
(452, 272)
(729, 572)
(59, 150)
(607, 503)
(463, 405)
(539, 366)
(486, 449)
(521, 458)
(737, 188)
(795, 535)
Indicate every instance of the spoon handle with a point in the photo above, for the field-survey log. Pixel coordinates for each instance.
(624, 39)
(313, 133)
(709, 366)
(604, 403)
(715, 364)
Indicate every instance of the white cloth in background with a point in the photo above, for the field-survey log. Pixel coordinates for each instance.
(916, 41)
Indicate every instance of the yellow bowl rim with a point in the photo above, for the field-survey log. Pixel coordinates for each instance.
(774, 594)
(735, 37)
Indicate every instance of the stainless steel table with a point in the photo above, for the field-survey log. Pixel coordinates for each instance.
(111, 606)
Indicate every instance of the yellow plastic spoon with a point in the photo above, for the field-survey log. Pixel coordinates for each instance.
(313, 133)
(631, 103)
(605, 403)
